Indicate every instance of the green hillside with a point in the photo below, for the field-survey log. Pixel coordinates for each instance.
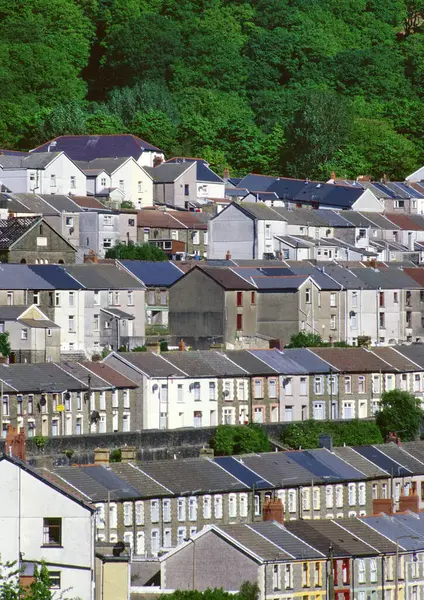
(290, 87)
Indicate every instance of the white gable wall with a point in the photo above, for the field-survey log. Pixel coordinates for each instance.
(233, 231)
(367, 202)
(24, 502)
(137, 184)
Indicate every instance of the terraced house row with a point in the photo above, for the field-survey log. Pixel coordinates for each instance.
(129, 391)
(155, 506)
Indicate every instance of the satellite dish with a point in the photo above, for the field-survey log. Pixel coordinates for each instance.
(43, 400)
(95, 416)
(118, 548)
(155, 387)
(226, 393)
(67, 396)
(86, 396)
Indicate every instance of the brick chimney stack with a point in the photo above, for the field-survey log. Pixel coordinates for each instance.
(228, 255)
(273, 510)
(382, 505)
(410, 502)
(226, 173)
(181, 346)
(15, 442)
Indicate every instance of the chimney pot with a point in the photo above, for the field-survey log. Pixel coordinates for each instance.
(228, 255)
(181, 346)
(226, 173)
(325, 441)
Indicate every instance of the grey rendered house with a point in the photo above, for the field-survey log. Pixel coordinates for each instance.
(33, 337)
(114, 313)
(174, 184)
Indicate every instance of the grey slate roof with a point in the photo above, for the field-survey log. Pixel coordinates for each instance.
(342, 538)
(279, 469)
(39, 377)
(96, 481)
(153, 365)
(360, 529)
(228, 278)
(254, 542)
(286, 540)
(204, 363)
(308, 360)
(279, 361)
(13, 205)
(168, 172)
(250, 363)
(415, 352)
(403, 458)
(28, 161)
(18, 277)
(392, 528)
(117, 312)
(103, 277)
(145, 485)
(109, 165)
(88, 378)
(191, 476)
(89, 147)
(12, 230)
(11, 313)
(260, 211)
(62, 203)
(359, 462)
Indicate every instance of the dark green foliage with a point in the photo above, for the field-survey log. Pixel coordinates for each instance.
(115, 456)
(10, 588)
(305, 339)
(5, 348)
(400, 413)
(288, 87)
(248, 591)
(240, 439)
(139, 349)
(352, 433)
(136, 252)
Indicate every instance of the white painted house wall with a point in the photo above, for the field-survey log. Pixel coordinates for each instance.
(147, 158)
(367, 202)
(25, 501)
(231, 230)
(62, 312)
(137, 186)
(210, 190)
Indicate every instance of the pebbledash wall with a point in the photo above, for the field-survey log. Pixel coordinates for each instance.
(151, 445)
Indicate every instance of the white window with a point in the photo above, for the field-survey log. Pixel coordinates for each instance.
(354, 299)
(303, 387)
(332, 321)
(212, 390)
(308, 295)
(121, 185)
(10, 298)
(258, 414)
(353, 320)
(243, 505)
(348, 410)
(361, 384)
(73, 184)
(276, 578)
(181, 535)
(339, 496)
(268, 232)
(139, 513)
(128, 517)
(196, 238)
(258, 388)
(272, 387)
(318, 385)
(292, 501)
(329, 496)
(192, 508)
(103, 181)
(361, 571)
(96, 298)
(140, 544)
(71, 299)
(100, 516)
(318, 411)
(373, 570)
(113, 516)
(207, 507)
(154, 542)
(107, 243)
(306, 499)
(181, 509)
(126, 398)
(348, 384)
(167, 538)
(180, 393)
(166, 510)
(139, 187)
(218, 506)
(24, 334)
(362, 493)
(71, 323)
(316, 498)
(351, 490)
(232, 505)
(332, 300)
(288, 576)
(228, 416)
(154, 511)
(102, 400)
(52, 180)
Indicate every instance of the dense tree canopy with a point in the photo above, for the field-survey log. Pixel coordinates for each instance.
(289, 87)
(400, 413)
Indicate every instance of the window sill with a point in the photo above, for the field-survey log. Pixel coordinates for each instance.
(51, 546)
